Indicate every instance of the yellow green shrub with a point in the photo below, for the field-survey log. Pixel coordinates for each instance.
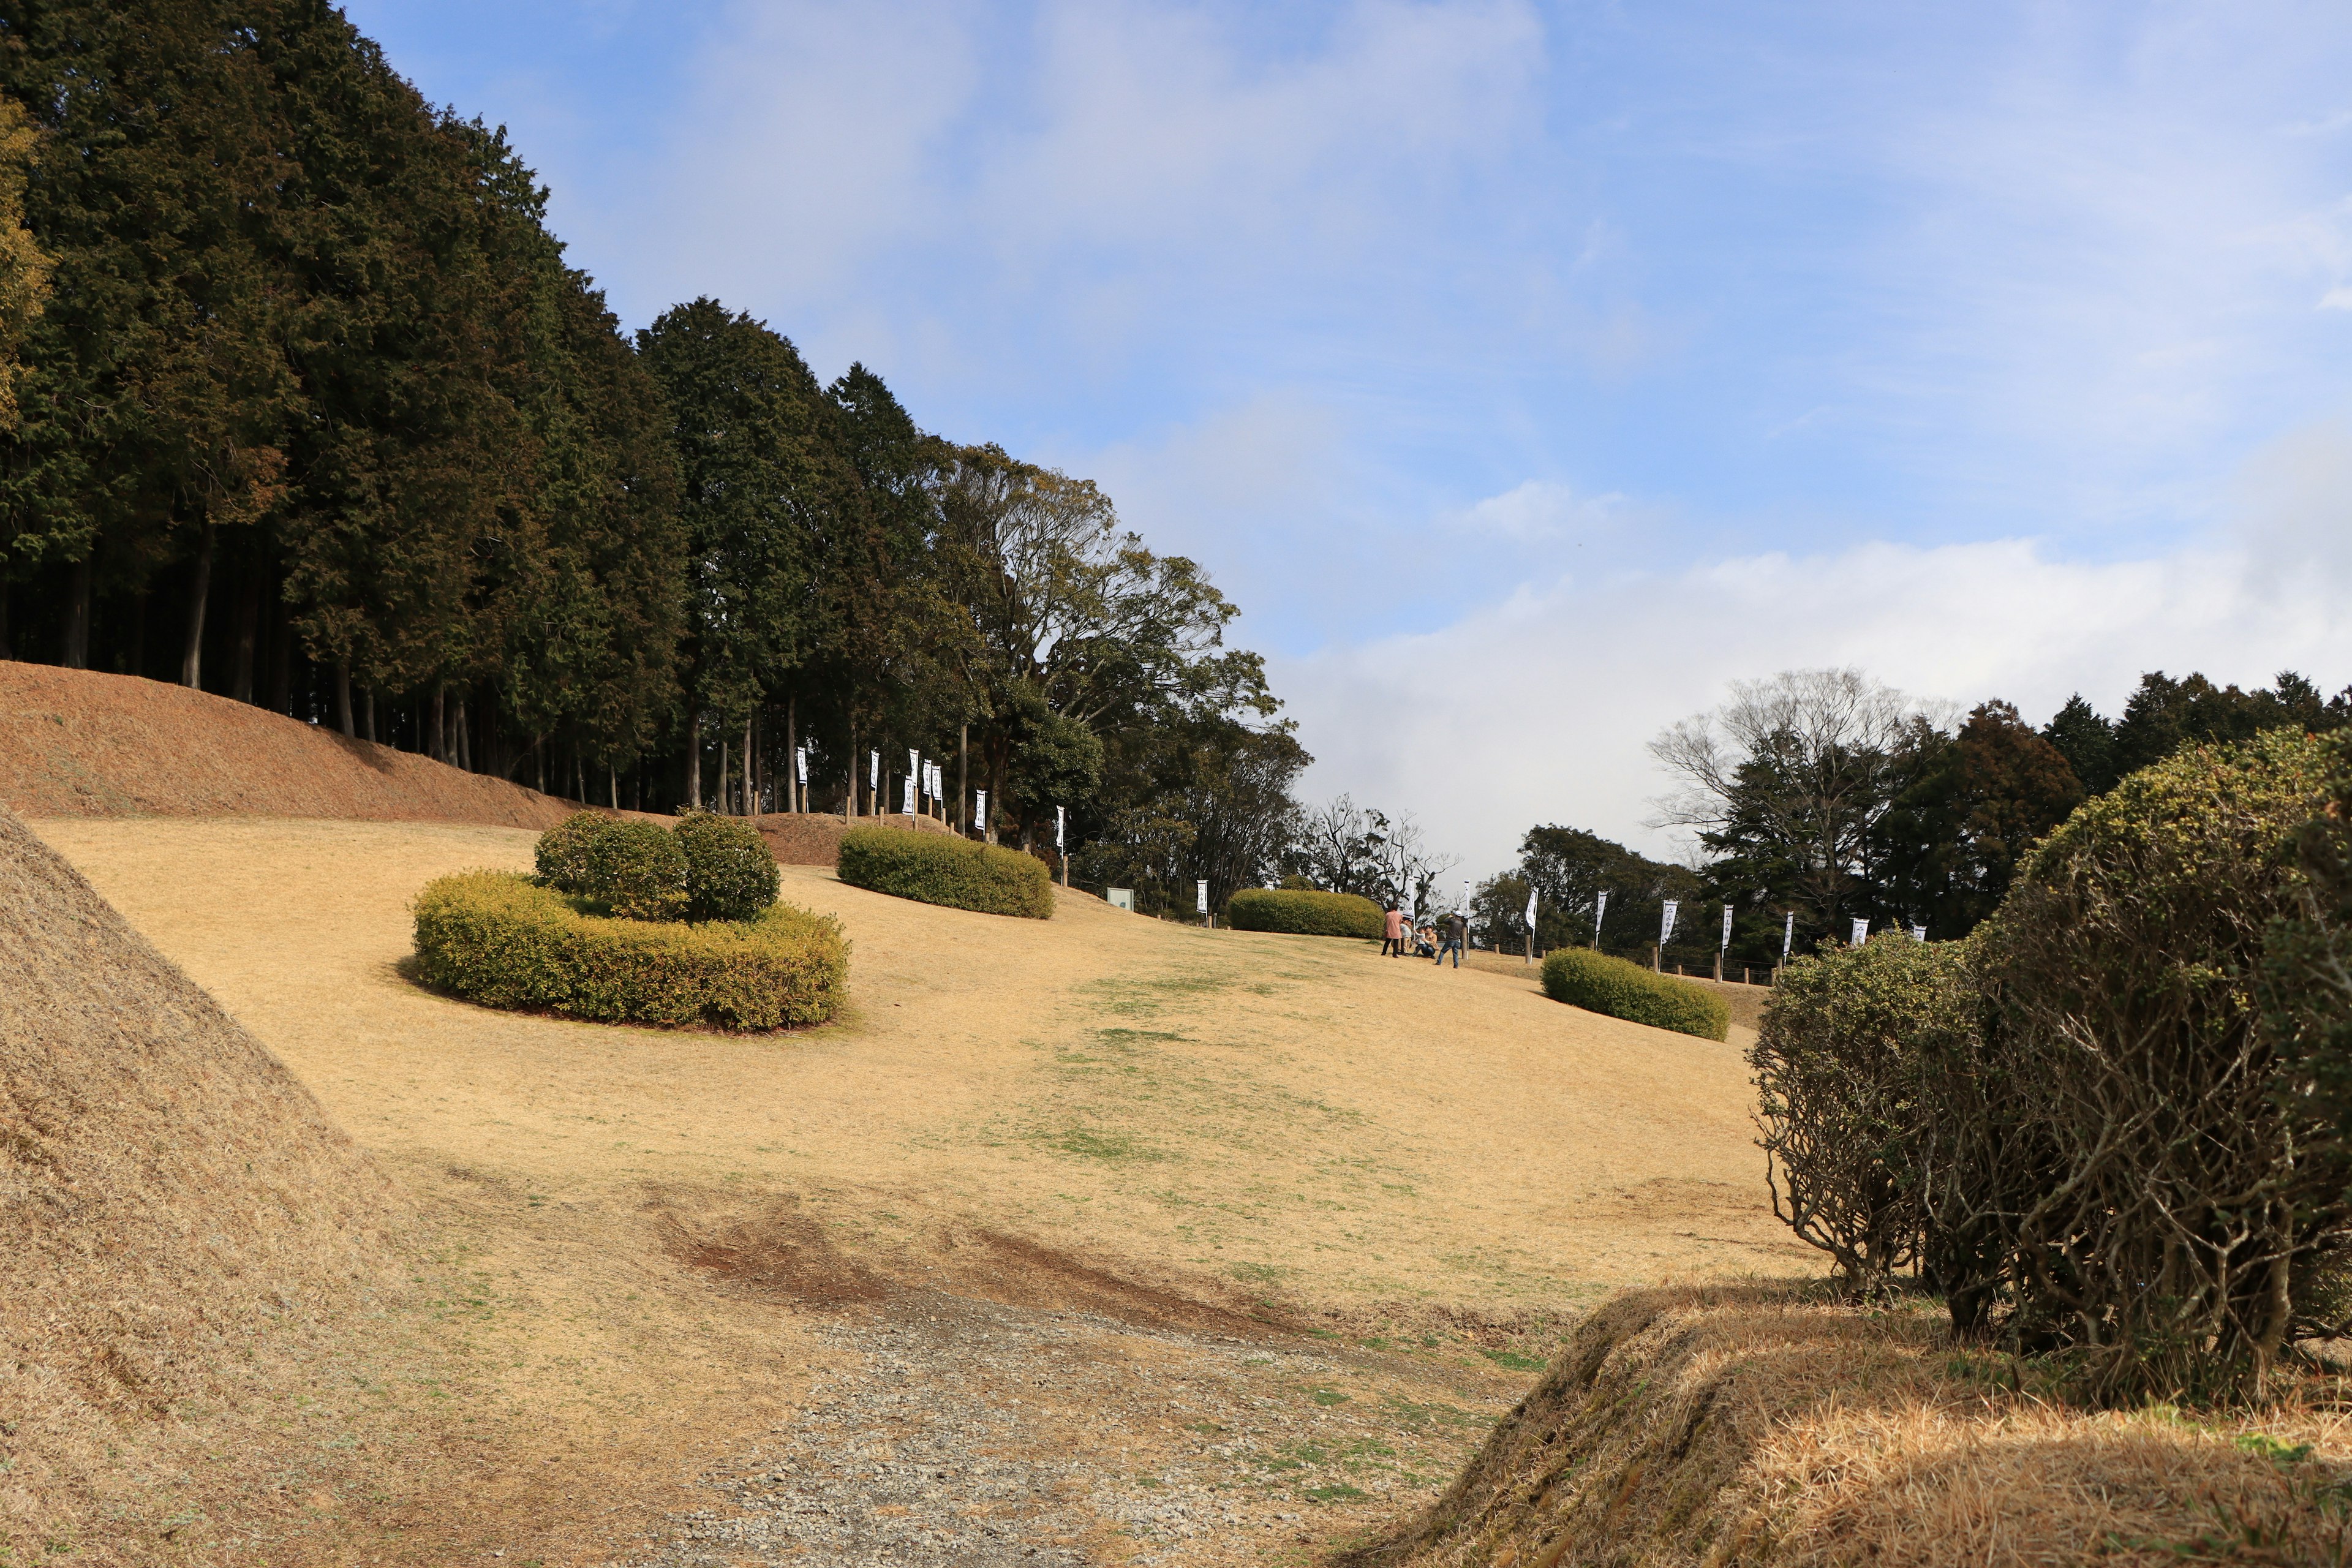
(1598, 983)
(1304, 912)
(934, 868)
(503, 941)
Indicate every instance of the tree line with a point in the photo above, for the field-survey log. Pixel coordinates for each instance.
(1829, 797)
(309, 409)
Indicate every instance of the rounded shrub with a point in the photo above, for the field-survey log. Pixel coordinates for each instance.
(506, 942)
(2193, 1185)
(1598, 983)
(637, 870)
(935, 869)
(563, 851)
(1301, 912)
(730, 873)
(1850, 1043)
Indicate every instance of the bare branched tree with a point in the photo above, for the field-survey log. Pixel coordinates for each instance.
(1800, 766)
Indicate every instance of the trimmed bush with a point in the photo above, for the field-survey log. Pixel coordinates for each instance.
(1304, 912)
(2192, 1185)
(505, 942)
(730, 874)
(1848, 1041)
(1625, 990)
(934, 868)
(636, 870)
(563, 851)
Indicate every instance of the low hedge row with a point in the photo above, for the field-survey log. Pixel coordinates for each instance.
(504, 941)
(936, 869)
(1598, 983)
(1304, 913)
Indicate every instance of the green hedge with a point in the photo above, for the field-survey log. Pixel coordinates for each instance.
(730, 872)
(636, 870)
(1304, 913)
(504, 941)
(935, 869)
(1598, 983)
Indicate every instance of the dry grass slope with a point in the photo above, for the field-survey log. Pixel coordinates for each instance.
(74, 742)
(1732, 1424)
(172, 1201)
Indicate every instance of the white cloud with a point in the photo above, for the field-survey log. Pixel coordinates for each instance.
(2336, 298)
(1537, 709)
(1537, 510)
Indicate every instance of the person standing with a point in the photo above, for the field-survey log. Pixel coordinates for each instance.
(1393, 944)
(1455, 928)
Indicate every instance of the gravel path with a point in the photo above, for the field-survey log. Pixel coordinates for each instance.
(976, 1434)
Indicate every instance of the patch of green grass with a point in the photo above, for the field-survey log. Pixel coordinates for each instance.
(1328, 1396)
(1514, 1360)
(1337, 1491)
(1089, 1144)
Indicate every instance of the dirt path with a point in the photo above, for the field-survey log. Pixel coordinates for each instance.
(1122, 1153)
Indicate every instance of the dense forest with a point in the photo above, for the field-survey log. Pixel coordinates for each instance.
(1820, 797)
(309, 409)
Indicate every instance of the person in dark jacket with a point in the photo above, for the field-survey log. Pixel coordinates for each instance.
(1457, 930)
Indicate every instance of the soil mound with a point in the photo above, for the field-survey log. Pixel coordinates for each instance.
(74, 742)
(172, 1200)
(1765, 1424)
(814, 837)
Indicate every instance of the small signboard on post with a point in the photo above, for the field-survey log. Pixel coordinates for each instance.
(1600, 908)
(1860, 932)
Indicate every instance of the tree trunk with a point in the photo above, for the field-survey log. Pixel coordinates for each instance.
(694, 762)
(964, 778)
(750, 772)
(613, 777)
(440, 723)
(849, 795)
(281, 659)
(138, 664)
(74, 655)
(466, 737)
(249, 630)
(343, 696)
(723, 795)
(367, 715)
(200, 593)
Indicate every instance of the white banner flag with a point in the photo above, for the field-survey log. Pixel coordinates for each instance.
(914, 763)
(1919, 933)
(1727, 928)
(1860, 932)
(1600, 908)
(1666, 924)
(1201, 896)
(800, 762)
(979, 810)
(873, 770)
(1788, 935)
(1531, 910)
(1060, 823)
(910, 794)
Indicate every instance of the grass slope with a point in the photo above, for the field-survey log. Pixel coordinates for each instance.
(74, 742)
(1146, 1122)
(177, 1214)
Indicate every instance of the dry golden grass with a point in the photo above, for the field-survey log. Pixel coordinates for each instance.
(75, 742)
(1710, 1425)
(1100, 1111)
(182, 1229)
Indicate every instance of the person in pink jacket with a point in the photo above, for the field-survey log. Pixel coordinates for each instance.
(1393, 944)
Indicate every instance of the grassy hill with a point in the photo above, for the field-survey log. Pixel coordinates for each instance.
(1258, 1225)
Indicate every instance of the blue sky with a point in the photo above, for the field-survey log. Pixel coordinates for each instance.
(1528, 373)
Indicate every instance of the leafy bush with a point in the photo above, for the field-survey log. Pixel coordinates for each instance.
(1623, 990)
(2196, 1181)
(730, 874)
(563, 851)
(504, 941)
(636, 870)
(1305, 912)
(935, 869)
(1850, 1041)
